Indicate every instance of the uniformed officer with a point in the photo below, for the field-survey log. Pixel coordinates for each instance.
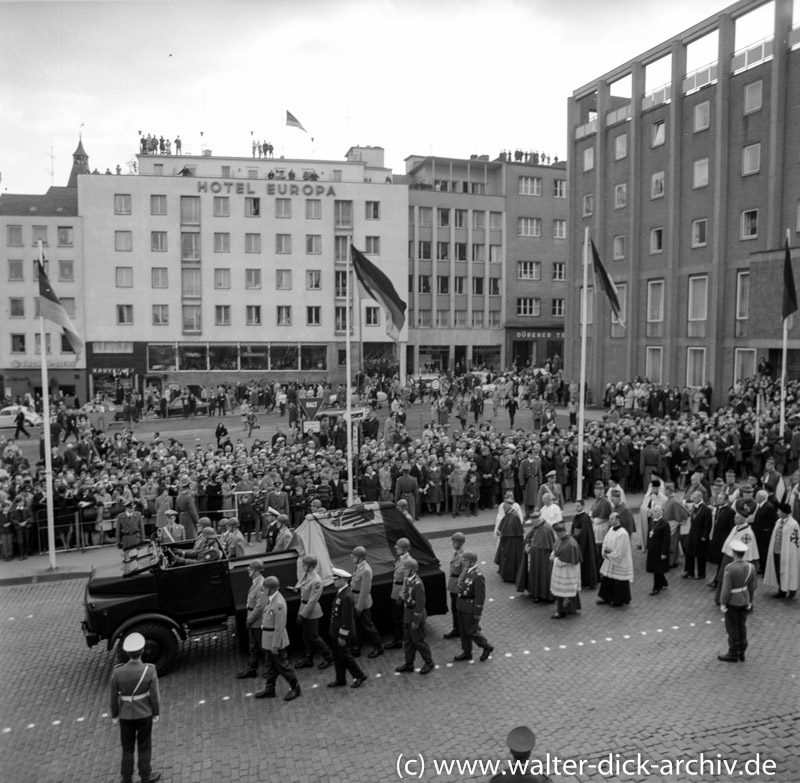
(402, 548)
(254, 610)
(456, 567)
(283, 541)
(135, 705)
(471, 598)
(414, 615)
(308, 616)
(207, 548)
(521, 741)
(361, 587)
(275, 641)
(271, 532)
(233, 542)
(736, 600)
(342, 632)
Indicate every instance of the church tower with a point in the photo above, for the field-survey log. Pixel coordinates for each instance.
(80, 165)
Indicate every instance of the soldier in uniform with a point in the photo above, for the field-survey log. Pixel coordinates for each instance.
(741, 531)
(402, 548)
(736, 600)
(342, 632)
(407, 488)
(187, 510)
(130, 527)
(361, 587)
(271, 531)
(456, 567)
(283, 540)
(172, 531)
(254, 610)
(275, 641)
(471, 598)
(206, 549)
(278, 499)
(136, 706)
(414, 615)
(310, 587)
(233, 542)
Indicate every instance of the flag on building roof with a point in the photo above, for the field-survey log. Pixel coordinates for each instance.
(378, 286)
(294, 122)
(607, 284)
(50, 307)
(789, 291)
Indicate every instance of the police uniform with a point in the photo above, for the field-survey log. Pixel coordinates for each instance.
(736, 598)
(135, 702)
(471, 598)
(275, 642)
(253, 621)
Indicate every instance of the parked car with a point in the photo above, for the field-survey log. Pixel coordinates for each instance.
(8, 417)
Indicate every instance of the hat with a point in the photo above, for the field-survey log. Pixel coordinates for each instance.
(459, 537)
(232, 521)
(559, 527)
(128, 502)
(521, 740)
(738, 546)
(272, 581)
(359, 551)
(411, 564)
(550, 473)
(340, 573)
(403, 543)
(469, 556)
(745, 506)
(171, 513)
(785, 508)
(208, 532)
(134, 642)
(273, 512)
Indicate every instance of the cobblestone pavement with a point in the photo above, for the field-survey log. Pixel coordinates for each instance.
(642, 679)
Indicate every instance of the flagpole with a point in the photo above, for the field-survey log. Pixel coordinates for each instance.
(783, 358)
(582, 391)
(349, 387)
(48, 459)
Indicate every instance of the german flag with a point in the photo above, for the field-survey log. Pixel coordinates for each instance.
(50, 307)
(378, 286)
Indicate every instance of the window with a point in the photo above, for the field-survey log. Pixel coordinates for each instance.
(313, 209)
(559, 188)
(251, 173)
(252, 207)
(122, 204)
(372, 316)
(697, 306)
(588, 159)
(283, 243)
(66, 271)
(283, 207)
(36, 270)
(695, 367)
(442, 284)
(477, 286)
(313, 279)
(190, 210)
(530, 186)
(476, 188)
(443, 251)
(699, 227)
(494, 286)
(40, 235)
(191, 283)
(657, 240)
(222, 206)
(460, 249)
(460, 319)
(751, 159)
(652, 363)
(373, 245)
(253, 315)
(158, 277)
(425, 250)
(442, 217)
(16, 272)
(424, 284)
(284, 315)
(425, 215)
(657, 185)
(621, 146)
(341, 249)
(495, 254)
(252, 243)
(744, 363)
(655, 309)
(750, 224)
(222, 278)
(340, 284)
(158, 241)
(529, 270)
(160, 315)
(14, 236)
(314, 244)
(494, 319)
(700, 177)
(222, 315)
(343, 214)
(123, 241)
(619, 248)
(620, 195)
(702, 116)
(37, 343)
(222, 242)
(252, 279)
(443, 319)
(190, 246)
(588, 204)
(460, 218)
(424, 319)
(477, 319)
(478, 220)
(658, 133)
(16, 307)
(158, 205)
(529, 306)
(742, 303)
(283, 279)
(125, 314)
(752, 97)
(158, 169)
(479, 253)
(372, 210)
(191, 316)
(558, 308)
(340, 319)
(65, 236)
(459, 285)
(559, 229)
(124, 277)
(559, 271)
(529, 227)
(314, 315)
(17, 343)
(496, 221)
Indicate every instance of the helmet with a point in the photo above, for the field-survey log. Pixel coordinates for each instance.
(459, 537)
(359, 551)
(403, 543)
(309, 560)
(411, 564)
(272, 581)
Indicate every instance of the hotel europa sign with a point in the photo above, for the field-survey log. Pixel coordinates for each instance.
(270, 188)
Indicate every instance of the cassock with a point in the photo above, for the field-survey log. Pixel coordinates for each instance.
(510, 547)
(724, 520)
(583, 533)
(565, 581)
(536, 569)
(784, 547)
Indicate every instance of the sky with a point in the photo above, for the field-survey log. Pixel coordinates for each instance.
(416, 77)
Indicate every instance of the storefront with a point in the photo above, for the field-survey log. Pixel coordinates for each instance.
(25, 377)
(116, 369)
(533, 347)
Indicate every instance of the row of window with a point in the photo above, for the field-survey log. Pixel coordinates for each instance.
(532, 227)
(426, 319)
(19, 344)
(744, 364)
(457, 251)
(459, 285)
(191, 279)
(457, 218)
(532, 270)
(65, 236)
(532, 186)
(16, 270)
(531, 307)
(16, 306)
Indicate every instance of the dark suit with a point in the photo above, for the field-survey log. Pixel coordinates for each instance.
(414, 614)
(343, 633)
(696, 546)
(763, 523)
(187, 514)
(471, 598)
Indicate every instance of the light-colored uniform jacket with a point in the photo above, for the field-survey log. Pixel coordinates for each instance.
(273, 622)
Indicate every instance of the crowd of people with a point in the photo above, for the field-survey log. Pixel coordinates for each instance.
(263, 149)
(151, 144)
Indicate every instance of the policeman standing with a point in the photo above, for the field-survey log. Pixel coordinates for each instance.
(253, 621)
(361, 587)
(471, 598)
(135, 705)
(342, 632)
(414, 615)
(402, 548)
(456, 567)
(275, 641)
(736, 600)
(308, 616)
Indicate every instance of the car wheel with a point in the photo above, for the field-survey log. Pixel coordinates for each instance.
(160, 646)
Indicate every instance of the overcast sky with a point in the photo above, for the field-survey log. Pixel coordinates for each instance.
(413, 76)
